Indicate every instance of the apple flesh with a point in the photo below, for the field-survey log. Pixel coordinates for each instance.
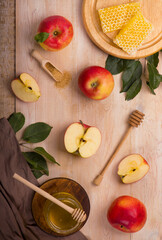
(26, 88)
(132, 168)
(96, 82)
(82, 139)
(54, 33)
(127, 214)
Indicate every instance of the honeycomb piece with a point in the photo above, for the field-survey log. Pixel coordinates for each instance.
(133, 33)
(113, 18)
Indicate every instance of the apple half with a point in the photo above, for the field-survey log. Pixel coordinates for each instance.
(82, 139)
(26, 88)
(132, 168)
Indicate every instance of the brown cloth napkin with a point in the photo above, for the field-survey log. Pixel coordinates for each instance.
(16, 220)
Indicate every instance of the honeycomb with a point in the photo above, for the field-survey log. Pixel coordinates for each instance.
(133, 33)
(113, 18)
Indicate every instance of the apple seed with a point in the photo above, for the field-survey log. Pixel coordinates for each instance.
(123, 176)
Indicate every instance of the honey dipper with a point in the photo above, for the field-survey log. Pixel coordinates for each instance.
(48, 66)
(77, 214)
(135, 120)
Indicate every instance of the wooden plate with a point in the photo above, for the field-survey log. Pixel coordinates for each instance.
(152, 10)
(56, 185)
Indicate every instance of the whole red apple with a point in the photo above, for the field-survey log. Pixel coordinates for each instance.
(54, 33)
(127, 214)
(96, 82)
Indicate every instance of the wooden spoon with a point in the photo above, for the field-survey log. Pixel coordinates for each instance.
(77, 214)
(48, 66)
(135, 120)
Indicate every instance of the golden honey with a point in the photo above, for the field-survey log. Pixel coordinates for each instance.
(59, 220)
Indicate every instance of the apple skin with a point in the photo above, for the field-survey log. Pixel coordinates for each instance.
(84, 125)
(60, 32)
(127, 214)
(96, 82)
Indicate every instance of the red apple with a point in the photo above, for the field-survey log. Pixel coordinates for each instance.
(127, 214)
(96, 82)
(82, 140)
(54, 33)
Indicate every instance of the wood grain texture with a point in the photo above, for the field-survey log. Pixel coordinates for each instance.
(7, 56)
(61, 107)
(152, 12)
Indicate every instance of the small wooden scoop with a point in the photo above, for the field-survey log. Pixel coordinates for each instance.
(48, 66)
(135, 120)
(77, 214)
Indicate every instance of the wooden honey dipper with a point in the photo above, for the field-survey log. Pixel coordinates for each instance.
(135, 120)
(77, 214)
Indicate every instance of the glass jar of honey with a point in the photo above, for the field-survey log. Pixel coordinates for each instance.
(58, 219)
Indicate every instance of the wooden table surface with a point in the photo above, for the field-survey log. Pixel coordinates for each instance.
(60, 107)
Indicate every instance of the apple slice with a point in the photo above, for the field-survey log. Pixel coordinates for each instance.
(90, 143)
(72, 137)
(26, 88)
(132, 168)
(82, 139)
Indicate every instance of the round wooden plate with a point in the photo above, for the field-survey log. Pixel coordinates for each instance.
(56, 185)
(152, 10)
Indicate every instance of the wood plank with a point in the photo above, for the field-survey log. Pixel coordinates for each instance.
(60, 107)
(7, 59)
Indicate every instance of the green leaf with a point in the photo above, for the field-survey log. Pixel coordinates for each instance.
(154, 77)
(129, 76)
(153, 59)
(37, 162)
(36, 173)
(36, 132)
(41, 37)
(134, 89)
(116, 65)
(42, 151)
(152, 90)
(16, 121)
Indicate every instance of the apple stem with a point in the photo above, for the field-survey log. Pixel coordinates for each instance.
(81, 122)
(94, 84)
